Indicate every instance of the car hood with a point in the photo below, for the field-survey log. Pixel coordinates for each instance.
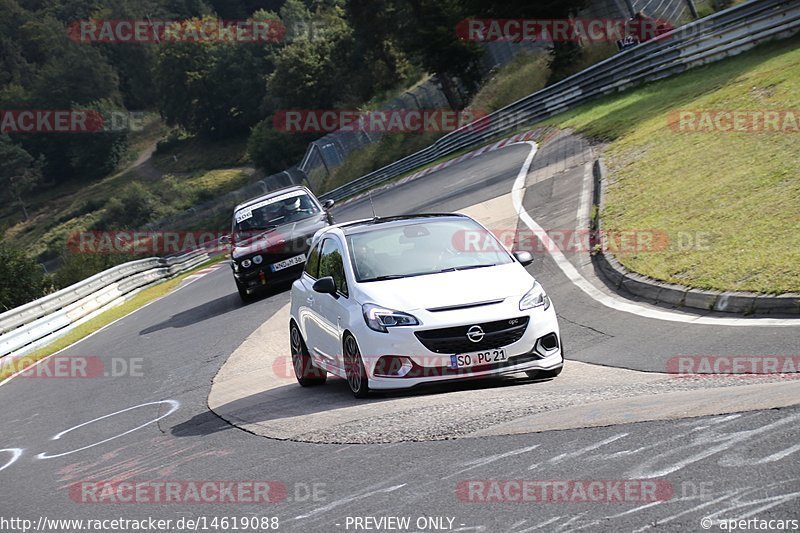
(449, 288)
(281, 239)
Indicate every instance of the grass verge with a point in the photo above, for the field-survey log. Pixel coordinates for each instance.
(144, 297)
(729, 202)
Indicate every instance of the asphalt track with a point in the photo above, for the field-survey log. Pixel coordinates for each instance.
(155, 425)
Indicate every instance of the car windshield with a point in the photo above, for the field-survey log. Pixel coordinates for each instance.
(272, 213)
(424, 247)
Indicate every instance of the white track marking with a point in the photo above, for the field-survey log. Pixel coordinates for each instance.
(483, 461)
(174, 407)
(344, 501)
(614, 302)
(15, 454)
(574, 455)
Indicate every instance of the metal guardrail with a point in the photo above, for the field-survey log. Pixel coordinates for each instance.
(36, 323)
(704, 41)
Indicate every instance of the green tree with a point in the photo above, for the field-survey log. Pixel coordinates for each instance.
(274, 151)
(212, 89)
(21, 279)
(314, 72)
(425, 32)
(19, 172)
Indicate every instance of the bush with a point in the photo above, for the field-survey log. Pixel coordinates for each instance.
(274, 151)
(526, 74)
(21, 279)
(79, 266)
(570, 58)
(133, 208)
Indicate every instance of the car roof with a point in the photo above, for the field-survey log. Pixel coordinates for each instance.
(369, 224)
(272, 194)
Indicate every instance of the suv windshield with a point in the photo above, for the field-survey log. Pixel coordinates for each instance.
(273, 212)
(420, 248)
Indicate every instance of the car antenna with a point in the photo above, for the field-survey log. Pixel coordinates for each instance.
(374, 216)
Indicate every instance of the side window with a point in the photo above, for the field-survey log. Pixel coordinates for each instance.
(312, 263)
(332, 264)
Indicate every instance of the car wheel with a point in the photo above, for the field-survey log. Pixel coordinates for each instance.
(306, 373)
(354, 368)
(246, 298)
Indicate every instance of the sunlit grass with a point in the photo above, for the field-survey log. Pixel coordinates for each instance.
(737, 192)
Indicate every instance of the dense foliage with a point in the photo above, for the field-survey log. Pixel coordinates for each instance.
(334, 53)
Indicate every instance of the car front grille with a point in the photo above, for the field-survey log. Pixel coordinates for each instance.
(454, 340)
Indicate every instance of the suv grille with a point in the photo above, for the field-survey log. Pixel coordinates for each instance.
(455, 341)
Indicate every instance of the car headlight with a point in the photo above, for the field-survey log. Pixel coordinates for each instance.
(246, 263)
(536, 297)
(379, 318)
(258, 259)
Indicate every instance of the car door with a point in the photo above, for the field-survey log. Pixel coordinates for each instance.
(306, 314)
(332, 309)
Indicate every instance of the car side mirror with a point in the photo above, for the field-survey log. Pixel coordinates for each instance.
(225, 239)
(325, 285)
(327, 204)
(525, 258)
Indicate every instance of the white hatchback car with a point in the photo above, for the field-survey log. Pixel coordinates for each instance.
(391, 303)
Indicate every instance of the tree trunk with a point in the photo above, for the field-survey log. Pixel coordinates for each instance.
(450, 92)
(22, 204)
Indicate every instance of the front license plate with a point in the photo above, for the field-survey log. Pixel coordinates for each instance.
(286, 263)
(487, 357)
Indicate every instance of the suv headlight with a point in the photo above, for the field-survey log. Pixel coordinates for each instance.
(379, 318)
(536, 297)
(246, 263)
(257, 259)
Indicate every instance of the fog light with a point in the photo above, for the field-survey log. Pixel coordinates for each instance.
(547, 345)
(393, 366)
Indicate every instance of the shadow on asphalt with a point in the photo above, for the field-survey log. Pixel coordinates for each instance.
(292, 400)
(205, 423)
(212, 309)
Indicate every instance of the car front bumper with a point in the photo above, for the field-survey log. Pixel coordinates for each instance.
(262, 276)
(525, 354)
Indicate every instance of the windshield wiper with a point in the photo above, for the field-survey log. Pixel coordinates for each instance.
(265, 228)
(466, 267)
(384, 278)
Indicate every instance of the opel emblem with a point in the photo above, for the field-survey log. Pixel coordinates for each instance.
(475, 334)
